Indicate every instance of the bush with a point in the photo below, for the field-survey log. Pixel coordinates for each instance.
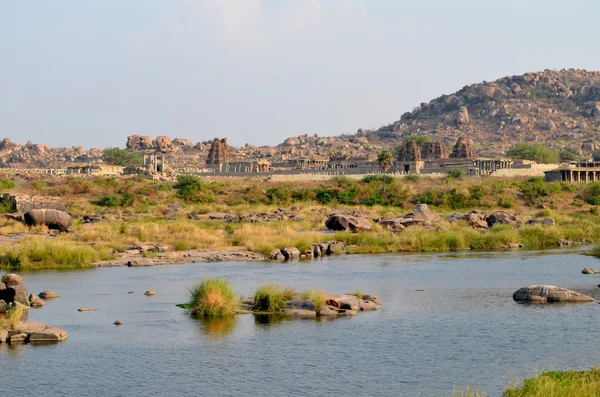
(534, 152)
(7, 184)
(559, 384)
(192, 189)
(109, 201)
(377, 178)
(456, 173)
(565, 155)
(317, 297)
(593, 201)
(268, 298)
(213, 297)
(122, 157)
(279, 195)
(39, 185)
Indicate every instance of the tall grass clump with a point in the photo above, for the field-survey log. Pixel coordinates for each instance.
(468, 392)
(38, 253)
(213, 297)
(269, 298)
(560, 384)
(316, 296)
(12, 318)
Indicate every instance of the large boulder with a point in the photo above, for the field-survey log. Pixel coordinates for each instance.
(21, 294)
(542, 221)
(345, 301)
(344, 222)
(501, 217)
(549, 293)
(12, 279)
(50, 334)
(423, 213)
(290, 253)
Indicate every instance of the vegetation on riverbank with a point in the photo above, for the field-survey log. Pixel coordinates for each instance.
(10, 319)
(559, 384)
(174, 214)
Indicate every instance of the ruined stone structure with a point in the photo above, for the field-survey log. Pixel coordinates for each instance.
(218, 154)
(434, 150)
(581, 172)
(463, 149)
(95, 169)
(409, 152)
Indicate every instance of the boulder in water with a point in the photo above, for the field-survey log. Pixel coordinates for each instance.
(549, 294)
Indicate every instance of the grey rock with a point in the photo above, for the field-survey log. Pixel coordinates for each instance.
(368, 305)
(299, 312)
(17, 338)
(305, 304)
(542, 221)
(290, 253)
(2, 286)
(51, 334)
(10, 280)
(36, 301)
(3, 335)
(345, 222)
(328, 311)
(423, 213)
(501, 217)
(21, 294)
(348, 302)
(549, 293)
(48, 294)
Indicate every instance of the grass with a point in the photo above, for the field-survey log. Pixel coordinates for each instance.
(468, 392)
(559, 384)
(12, 318)
(212, 298)
(269, 299)
(358, 294)
(316, 296)
(36, 252)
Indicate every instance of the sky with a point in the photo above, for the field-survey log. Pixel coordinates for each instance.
(90, 73)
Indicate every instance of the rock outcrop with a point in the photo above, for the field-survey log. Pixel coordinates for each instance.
(434, 150)
(409, 152)
(549, 294)
(348, 222)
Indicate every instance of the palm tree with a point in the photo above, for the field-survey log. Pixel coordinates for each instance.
(384, 159)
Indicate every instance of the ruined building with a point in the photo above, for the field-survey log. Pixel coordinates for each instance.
(410, 158)
(218, 154)
(434, 150)
(463, 149)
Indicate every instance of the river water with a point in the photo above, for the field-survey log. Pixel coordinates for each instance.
(462, 329)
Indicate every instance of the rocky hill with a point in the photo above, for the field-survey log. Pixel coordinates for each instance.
(557, 108)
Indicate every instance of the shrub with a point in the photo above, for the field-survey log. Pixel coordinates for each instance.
(192, 189)
(377, 178)
(12, 318)
(456, 173)
(559, 384)
(412, 178)
(109, 201)
(565, 155)
(505, 203)
(123, 157)
(213, 297)
(7, 184)
(39, 185)
(268, 298)
(593, 201)
(535, 152)
(316, 296)
(279, 195)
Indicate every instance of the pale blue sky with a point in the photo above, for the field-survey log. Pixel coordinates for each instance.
(92, 72)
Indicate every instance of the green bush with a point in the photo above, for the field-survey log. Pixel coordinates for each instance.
(109, 201)
(213, 297)
(279, 195)
(193, 190)
(593, 201)
(456, 173)
(123, 157)
(534, 152)
(7, 184)
(268, 298)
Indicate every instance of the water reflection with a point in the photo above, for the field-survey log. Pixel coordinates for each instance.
(217, 328)
(269, 319)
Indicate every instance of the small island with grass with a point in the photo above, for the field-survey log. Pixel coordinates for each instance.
(215, 297)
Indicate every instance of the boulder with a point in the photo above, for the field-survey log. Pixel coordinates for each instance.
(85, 309)
(30, 327)
(219, 215)
(290, 253)
(542, 221)
(48, 294)
(328, 311)
(423, 213)
(21, 294)
(150, 293)
(304, 304)
(549, 293)
(3, 306)
(2, 286)
(368, 305)
(50, 334)
(17, 338)
(590, 271)
(276, 255)
(3, 335)
(36, 301)
(299, 312)
(501, 217)
(335, 247)
(10, 280)
(332, 302)
(142, 247)
(118, 322)
(344, 222)
(348, 302)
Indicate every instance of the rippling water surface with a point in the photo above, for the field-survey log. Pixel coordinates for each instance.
(462, 329)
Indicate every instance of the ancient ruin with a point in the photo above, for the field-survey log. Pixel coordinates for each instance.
(463, 149)
(219, 153)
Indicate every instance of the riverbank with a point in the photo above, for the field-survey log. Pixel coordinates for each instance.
(117, 221)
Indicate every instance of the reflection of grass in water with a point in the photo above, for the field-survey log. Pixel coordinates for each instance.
(217, 327)
(268, 319)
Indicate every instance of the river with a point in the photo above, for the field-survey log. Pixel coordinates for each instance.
(448, 320)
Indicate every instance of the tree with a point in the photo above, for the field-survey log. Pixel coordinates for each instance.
(535, 152)
(419, 139)
(596, 156)
(123, 157)
(384, 160)
(565, 155)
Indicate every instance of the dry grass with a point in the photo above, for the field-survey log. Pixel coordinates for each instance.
(559, 384)
(212, 298)
(316, 296)
(11, 319)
